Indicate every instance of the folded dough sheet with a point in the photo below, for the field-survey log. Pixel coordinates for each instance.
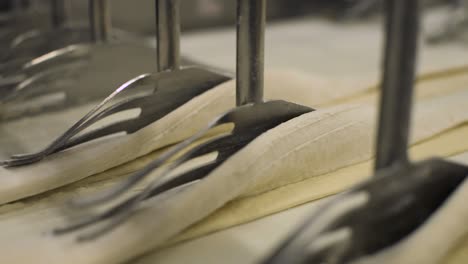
(337, 79)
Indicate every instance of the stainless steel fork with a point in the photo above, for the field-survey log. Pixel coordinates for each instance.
(251, 118)
(387, 208)
(173, 86)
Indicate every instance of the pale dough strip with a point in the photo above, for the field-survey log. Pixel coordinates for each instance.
(166, 217)
(75, 164)
(249, 208)
(78, 163)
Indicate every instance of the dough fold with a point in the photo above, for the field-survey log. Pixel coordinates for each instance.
(161, 218)
(89, 159)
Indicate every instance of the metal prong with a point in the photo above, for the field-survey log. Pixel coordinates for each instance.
(251, 17)
(118, 213)
(397, 83)
(100, 20)
(90, 118)
(95, 218)
(332, 244)
(140, 175)
(167, 34)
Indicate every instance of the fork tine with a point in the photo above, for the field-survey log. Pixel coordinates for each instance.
(65, 54)
(69, 140)
(30, 66)
(194, 174)
(66, 140)
(330, 247)
(63, 140)
(185, 178)
(91, 117)
(10, 81)
(105, 131)
(140, 175)
(93, 219)
(119, 126)
(123, 210)
(117, 214)
(23, 85)
(114, 222)
(316, 228)
(97, 133)
(19, 162)
(225, 145)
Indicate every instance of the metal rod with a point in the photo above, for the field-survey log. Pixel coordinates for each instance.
(251, 19)
(59, 12)
(402, 23)
(168, 34)
(100, 20)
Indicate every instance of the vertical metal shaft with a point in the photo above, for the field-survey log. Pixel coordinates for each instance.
(100, 20)
(251, 17)
(168, 34)
(401, 38)
(59, 12)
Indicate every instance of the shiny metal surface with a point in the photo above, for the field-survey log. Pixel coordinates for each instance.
(76, 72)
(249, 120)
(402, 195)
(35, 42)
(401, 26)
(172, 88)
(180, 88)
(16, 22)
(73, 70)
(250, 51)
(374, 215)
(168, 34)
(100, 22)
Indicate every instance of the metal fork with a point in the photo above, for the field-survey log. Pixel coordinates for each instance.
(26, 67)
(251, 118)
(47, 47)
(173, 86)
(402, 194)
(75, 71)
(27, 48)
(23, 68)
(36, 42)
(59, 12)
(374, 215)
(17, 20)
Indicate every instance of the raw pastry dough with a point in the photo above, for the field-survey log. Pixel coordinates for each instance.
(249, 208)
(163, 217)
(75, 164)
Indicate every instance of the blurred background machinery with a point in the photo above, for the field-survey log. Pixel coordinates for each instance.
(197, 14)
